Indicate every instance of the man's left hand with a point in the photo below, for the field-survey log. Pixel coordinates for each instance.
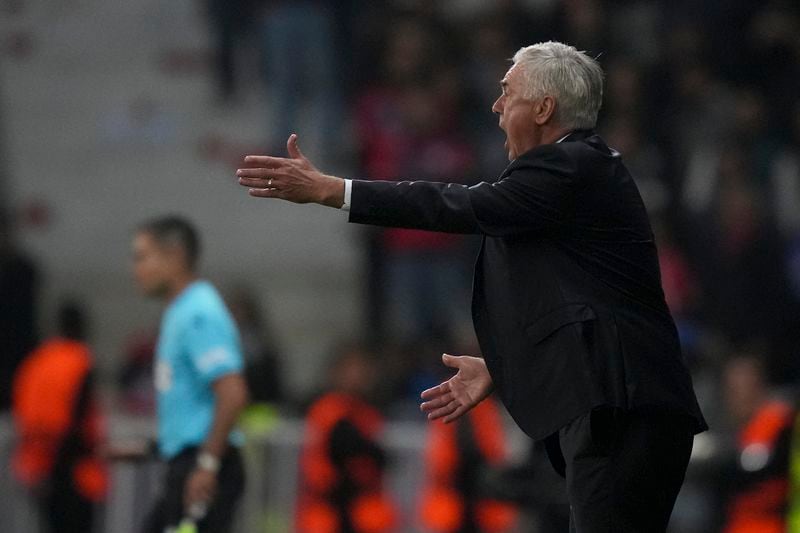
(201, 485)
(294, 178)
(453, 398)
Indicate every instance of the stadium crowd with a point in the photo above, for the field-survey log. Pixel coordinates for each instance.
(703, 101)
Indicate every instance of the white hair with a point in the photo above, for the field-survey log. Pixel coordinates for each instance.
(570, 76)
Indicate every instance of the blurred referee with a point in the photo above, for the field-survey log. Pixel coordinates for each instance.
(198, 379)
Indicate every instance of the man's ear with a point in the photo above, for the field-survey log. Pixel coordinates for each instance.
(544, 110)
(176, 256)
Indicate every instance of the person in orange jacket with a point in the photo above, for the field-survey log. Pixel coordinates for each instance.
(457, 455)
(758, 484)
(342, 464)
(60, 427)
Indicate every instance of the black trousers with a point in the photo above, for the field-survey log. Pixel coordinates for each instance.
(623, 470)
(64, 508)
(168, 510)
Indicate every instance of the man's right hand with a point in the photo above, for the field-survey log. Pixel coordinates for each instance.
(292, 178)
(471, 385)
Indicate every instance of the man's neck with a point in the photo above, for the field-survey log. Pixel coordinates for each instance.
(178, 286)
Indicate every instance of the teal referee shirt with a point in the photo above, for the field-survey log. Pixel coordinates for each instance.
(198, 343)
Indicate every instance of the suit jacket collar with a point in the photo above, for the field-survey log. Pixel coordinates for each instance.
(577, 135)
(588, 135)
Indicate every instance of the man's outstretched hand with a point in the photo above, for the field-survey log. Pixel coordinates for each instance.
(294, 178)
(471, 385)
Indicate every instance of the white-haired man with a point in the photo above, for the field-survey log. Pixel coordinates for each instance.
(567, 303)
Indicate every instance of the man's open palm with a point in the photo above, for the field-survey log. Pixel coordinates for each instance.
(462, 392)
(292, 178)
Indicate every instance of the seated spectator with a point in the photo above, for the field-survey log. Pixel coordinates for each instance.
(300, 58)
(458, 456)
(262, 365)
(342, 465)
(740, 259)
(407, 127)
(757, 483)
(60, 427)
(135, 378)
(424, 270)
(19, 281)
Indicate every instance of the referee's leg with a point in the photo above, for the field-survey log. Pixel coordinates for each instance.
(230, 486)
(168, 508)
(624, 470)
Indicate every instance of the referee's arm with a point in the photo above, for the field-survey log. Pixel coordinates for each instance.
(231, 396)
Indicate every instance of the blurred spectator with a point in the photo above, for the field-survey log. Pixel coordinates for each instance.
(644, 159)
(409, 57)
(262, 368)
(426, 277)
(381, 141)
(582, 23)
(19, 283)
(680, 285)
(698, 114)
(298, 40)
(455, 498)
(229, 20)
(783, 171)
(793, 254)
(677, 278)
(774, 57)
(521, 22)
(742, 262)
(624, 99)
(136, 375)
(538, 490)
(60, 427)
(408, 129)
(342, 465)
(738, 148)
(757, 485)
(485, 65)
(645, 44)
(410, 367)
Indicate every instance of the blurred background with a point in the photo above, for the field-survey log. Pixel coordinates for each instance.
(112, 112)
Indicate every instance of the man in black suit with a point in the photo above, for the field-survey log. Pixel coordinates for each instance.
(577, 339)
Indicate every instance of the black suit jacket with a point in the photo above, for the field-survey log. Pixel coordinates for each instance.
(567, 300)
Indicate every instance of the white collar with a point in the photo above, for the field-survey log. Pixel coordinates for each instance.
(564, 137)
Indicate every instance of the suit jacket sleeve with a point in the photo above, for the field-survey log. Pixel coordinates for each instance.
(536, 192)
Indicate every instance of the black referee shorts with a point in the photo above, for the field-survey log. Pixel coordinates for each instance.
(168, 510)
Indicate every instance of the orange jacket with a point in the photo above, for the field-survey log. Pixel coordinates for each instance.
(760, 506)
(444, 507)
(332, 491)
(46, 387)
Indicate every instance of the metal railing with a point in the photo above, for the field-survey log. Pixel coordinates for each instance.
(271, 465)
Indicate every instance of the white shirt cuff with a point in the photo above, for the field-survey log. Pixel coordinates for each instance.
(348, 193)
